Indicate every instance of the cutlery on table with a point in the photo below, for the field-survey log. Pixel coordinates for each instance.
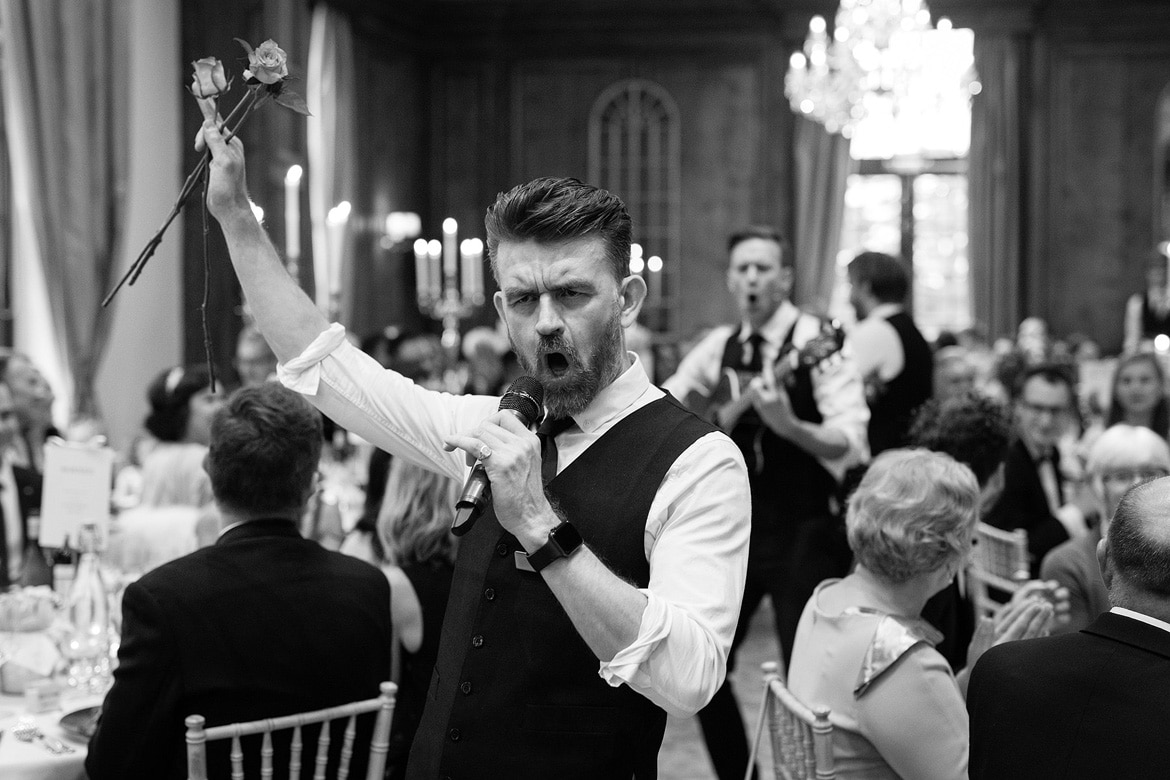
(27, 731)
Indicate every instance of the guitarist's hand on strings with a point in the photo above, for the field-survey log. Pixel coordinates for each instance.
(770, 400)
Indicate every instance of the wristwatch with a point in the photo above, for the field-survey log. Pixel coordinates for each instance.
(563, 541)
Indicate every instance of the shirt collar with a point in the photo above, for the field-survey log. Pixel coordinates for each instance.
(777, 326)
(1129, 613)
(615, 398)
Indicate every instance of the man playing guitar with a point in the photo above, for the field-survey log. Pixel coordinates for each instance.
(799, 427)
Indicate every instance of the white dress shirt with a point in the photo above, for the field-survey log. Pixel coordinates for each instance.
(697, 530)
(837, 387)
(1153, 621)
(876, 345)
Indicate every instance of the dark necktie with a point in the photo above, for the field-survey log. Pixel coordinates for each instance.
(751, 359)
(548, 431)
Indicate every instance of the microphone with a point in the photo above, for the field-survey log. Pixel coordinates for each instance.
(524, 399)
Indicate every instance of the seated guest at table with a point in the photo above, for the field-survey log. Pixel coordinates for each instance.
(414, 528)
(254, 362)
(1122, 456)
(20, 494)
(1038, 495)
(973, 429)
(182, 403)
(861, 648)
(263, 623)
(33, 401)
(1093, 703)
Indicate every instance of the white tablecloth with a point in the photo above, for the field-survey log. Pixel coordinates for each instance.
(31, 760)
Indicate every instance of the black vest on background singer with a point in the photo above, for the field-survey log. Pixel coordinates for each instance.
(516, 691)
(1153, 323)
(893, 410)
(785, 480)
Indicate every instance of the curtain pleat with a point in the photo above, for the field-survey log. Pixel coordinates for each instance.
(822, 166)
(66, 87)
(995, 185)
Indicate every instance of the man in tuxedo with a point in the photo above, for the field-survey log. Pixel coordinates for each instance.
(262, 623)
(797, 436)
(894, 359)
(1094, 703)
(20, 497)
(1036, 494)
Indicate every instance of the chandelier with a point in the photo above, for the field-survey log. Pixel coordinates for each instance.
(841, 78)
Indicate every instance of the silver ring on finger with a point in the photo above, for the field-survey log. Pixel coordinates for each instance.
(485, 452)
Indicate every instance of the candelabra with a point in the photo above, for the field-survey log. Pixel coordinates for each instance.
(449, 285)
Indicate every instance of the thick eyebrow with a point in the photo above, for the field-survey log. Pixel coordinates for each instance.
(513, 290)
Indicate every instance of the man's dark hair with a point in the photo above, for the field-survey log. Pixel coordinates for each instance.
(767, 233)
(550, 210)
(971, 428)
(885, 274)
(265, 446)
(1052, 373)
(1140, 555)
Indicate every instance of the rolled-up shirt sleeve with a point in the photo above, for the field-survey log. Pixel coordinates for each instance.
(382, 406)
(697, 542)
(839, 393)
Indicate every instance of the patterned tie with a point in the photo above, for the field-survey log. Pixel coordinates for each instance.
(548, 431)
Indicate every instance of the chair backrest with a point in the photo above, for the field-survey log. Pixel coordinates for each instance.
(801, 737)
(1000, 560)
(198, 737)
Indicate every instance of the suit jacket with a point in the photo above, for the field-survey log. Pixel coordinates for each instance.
(28, 494)
(1023, 504)
(263, 623)
(1092, 704)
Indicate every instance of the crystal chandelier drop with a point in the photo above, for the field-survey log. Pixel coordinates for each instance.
(839, 79)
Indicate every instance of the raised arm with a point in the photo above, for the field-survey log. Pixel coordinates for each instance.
(286, 316)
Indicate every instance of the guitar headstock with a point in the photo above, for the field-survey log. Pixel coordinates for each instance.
(824, 345)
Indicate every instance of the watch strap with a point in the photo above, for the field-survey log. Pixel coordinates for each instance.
(563, 541)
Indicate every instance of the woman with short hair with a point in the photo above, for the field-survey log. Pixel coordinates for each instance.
(862, 649)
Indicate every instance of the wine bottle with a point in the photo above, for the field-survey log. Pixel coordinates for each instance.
(34, 569)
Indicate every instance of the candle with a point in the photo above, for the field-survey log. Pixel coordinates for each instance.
(422, 271)
(292, 214)
(336, 223)
(477, 271)
(434, 250)
(654, 266)
(450, 261)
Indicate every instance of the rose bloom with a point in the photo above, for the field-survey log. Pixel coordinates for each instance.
(208, 79)
(267, 63)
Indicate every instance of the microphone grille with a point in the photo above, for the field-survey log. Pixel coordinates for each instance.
(525, 396)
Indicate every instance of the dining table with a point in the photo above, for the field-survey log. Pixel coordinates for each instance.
(33, 760)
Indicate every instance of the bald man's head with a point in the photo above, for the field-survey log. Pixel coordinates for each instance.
(1137, 553)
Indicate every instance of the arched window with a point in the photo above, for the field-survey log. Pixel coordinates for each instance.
(634, 152)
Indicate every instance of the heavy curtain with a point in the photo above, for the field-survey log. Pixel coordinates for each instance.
(331, 145)
(822, 168)
(65, 102)
(995, 184)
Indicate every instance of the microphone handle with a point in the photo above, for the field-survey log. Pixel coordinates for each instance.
(477, 492)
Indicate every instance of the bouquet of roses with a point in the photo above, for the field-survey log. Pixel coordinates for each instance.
(265, 79)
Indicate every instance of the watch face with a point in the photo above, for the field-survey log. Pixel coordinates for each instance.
(566, 537)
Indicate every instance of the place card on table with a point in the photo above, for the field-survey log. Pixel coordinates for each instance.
(77, 488)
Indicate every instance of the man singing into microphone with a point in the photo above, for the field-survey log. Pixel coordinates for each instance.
(582, 610)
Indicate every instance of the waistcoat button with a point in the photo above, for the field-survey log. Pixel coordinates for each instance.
(502, 550)
(465, 687)
(489, 594)
(477, 640)
(454, 735)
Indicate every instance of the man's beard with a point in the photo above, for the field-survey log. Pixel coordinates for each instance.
(580, 382)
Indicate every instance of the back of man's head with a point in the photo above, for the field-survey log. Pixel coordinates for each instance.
(265, 447)
(886, 276)
(1137, 557)
(553, 210)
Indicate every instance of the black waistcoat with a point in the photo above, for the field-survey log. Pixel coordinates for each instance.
(1153, 324)
(516, 693)
(786, 481)
(893, 409)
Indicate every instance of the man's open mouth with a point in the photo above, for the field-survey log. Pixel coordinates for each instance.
(556, 363)
(753, 298)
